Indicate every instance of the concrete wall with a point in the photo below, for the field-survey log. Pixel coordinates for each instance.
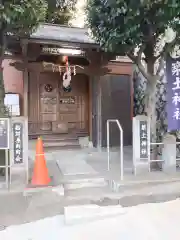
(13, 79)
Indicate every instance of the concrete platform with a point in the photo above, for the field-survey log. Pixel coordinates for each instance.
(73, 163)
(84, 181)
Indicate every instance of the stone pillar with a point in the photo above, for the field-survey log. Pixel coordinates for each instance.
(19, 151)
(169, 154)
(141, 145)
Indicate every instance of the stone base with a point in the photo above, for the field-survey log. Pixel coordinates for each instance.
(169, 169)
(141, 169)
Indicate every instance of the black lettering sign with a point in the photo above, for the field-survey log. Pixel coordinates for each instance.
(67, 100)
(18, 142)
(4, 133)
(143, 139)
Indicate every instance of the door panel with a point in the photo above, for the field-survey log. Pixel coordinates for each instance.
(47, 101)
(116, 104)
(52, 109)
(73, 107)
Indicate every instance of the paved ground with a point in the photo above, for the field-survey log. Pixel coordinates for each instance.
(143, 222)
(15, 208)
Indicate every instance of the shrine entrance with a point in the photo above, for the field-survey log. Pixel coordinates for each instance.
(53, 109)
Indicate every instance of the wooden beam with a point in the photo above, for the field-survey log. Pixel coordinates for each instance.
(120, 68)
(24, 46)
(38, 67)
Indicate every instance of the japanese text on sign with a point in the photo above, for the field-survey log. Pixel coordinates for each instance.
(143, 139)
(18, 143)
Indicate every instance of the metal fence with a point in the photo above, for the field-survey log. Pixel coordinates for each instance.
(159, 153)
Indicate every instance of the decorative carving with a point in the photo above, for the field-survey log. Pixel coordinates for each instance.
(48, 88)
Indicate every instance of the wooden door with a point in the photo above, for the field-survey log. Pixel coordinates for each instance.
(48, 100)
(73, 106)
(51, 109)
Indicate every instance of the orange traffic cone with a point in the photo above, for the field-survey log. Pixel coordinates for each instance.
(40, 173)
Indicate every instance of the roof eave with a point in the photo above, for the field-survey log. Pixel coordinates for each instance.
(60, 43)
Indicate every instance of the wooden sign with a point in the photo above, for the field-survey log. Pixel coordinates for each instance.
(18, 142)
(67, 100)
(62, 51)
(143, 133)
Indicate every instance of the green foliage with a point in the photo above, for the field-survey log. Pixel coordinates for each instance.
(22, 15)
(125, 24)
(60, 11)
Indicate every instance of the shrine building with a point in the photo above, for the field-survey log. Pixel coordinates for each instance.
(68, 86)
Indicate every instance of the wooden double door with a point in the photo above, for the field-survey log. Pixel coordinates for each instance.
(53, 110)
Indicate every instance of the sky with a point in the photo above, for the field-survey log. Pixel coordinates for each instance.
(79, 17)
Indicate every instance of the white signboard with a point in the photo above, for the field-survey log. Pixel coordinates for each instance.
(11, 101)
(63, 51)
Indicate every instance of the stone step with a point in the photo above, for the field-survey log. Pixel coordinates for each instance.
(60, 139)
(89, 194)
(85, 183)
(63, 145)
(59, 136)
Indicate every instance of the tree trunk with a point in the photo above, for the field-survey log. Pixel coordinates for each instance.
(150, 107)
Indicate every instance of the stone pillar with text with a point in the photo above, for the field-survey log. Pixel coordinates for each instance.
(141, 145)
(19, 151)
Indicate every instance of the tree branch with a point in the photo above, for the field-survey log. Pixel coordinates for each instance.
(166, 49)
(137, 60)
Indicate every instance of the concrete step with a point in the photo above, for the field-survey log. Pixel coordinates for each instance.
(61, 144)
(88, 194)
(126, 185)
(84, 183)
(60, 139)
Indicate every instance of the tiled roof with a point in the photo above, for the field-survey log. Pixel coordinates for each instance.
(62, 33)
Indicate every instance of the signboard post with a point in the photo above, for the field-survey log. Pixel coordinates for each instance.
(141, 144)
(4, 145)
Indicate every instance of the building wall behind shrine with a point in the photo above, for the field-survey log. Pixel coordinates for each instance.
(13, 79)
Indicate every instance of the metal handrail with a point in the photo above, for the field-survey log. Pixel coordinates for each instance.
(121, 146)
